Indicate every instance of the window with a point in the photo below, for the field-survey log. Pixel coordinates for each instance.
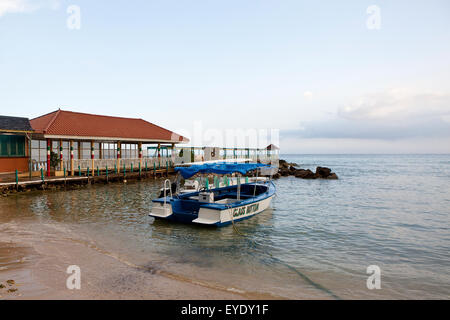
(109, 150)
(38, 150)
(129, 150)
(85, 150)
(12, 146)
(66, 150)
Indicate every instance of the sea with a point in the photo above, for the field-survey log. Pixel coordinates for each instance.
(381, 231)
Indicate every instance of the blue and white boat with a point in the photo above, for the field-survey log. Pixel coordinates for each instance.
(219, 206)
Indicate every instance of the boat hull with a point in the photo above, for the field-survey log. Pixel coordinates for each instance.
(224, 211)
(230, 215)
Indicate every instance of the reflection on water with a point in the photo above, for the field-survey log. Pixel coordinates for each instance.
(316, 241)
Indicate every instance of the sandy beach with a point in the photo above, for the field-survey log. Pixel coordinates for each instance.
(36, 256)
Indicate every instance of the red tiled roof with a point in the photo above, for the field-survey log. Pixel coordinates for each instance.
(68, 123)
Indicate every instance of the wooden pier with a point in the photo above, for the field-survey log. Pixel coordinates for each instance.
(85, 178)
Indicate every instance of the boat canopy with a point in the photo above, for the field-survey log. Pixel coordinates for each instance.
(218, 168)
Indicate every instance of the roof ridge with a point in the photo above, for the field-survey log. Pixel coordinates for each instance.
(100, 115)
(44, 115)
(52, 120)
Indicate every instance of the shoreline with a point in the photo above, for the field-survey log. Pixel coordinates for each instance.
(38, 269)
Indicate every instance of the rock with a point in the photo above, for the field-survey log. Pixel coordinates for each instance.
(284, 172)
(322, 172)
(305, 174)
(10, 282)
(333, 176)
(276, 176)
(291, 169)
(282, 163)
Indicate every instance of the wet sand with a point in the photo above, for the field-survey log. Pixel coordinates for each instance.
(36, 256)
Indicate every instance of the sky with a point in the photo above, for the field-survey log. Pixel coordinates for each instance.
(311, 76)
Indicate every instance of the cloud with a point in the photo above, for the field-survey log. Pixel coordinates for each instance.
(397, 104)
(348, 129)
(393, 114)
(21, 6)
(13, 6)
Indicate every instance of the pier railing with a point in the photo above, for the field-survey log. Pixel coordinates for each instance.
(91, 167)
(83, 164)
(119, 164)
(38, 165)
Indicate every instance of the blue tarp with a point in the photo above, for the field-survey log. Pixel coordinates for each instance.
(218, 168)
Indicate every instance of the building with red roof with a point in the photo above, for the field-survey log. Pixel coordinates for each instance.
(85, 142)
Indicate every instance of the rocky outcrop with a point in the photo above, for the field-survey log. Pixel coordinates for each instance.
(292, 169)
(333, 176)
(304, 174)
(323, 172)
(285, 164)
